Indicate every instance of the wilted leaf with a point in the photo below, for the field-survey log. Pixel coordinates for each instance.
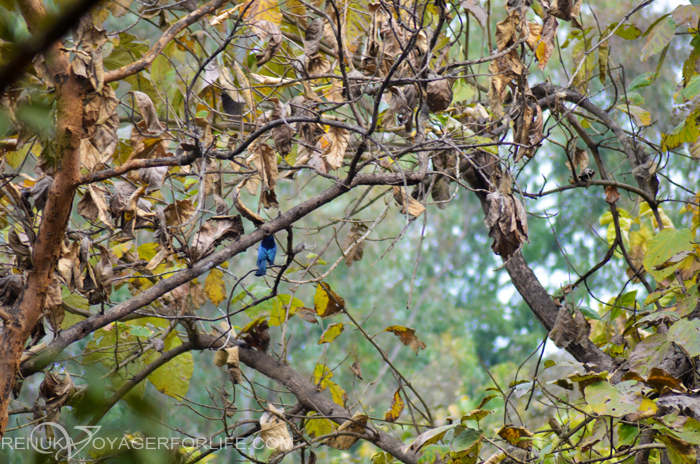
(256, 334)
(326, 302)
(396, 407)
(477, 10)
(546, 46)
(407, 336)
(93, 205)
(517, 436)
(439, 93)
(357, 230)
(213, 232)
(265, 30)
(273, 430)
(507, 223)
(611, 194)
(356, 424)
(178, 213)
(333, 145)
(415, 208)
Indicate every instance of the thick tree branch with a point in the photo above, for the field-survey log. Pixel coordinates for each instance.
(86, 327)
(307, 394)
(27, 310)
(26, 52)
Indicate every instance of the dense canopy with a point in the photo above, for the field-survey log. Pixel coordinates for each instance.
(341, 230)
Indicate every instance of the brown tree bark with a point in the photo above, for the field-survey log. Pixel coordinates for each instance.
(23, 317)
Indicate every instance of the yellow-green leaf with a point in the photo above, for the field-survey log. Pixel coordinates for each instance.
(331, 333)
(172, 378)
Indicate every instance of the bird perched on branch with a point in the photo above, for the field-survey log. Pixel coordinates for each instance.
(266, 254)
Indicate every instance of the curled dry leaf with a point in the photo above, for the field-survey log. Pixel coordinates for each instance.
(440, 192)
(333, 146)
(282, 135)
(10, 288)
(265, 30)
(357, 230)
(519, 437)
(40, 192)
(256, 334)
(546, 46)
(56, 392)
(356, 425)
(312, 39)
(178, 213)
(439, 93)
(273, 430)
(243, 209)
(502, 71)
(407, 336)
(148, 112)
(93, 205)
(263, 157)
(507, 223)
(570, 329)
(567, 10)
(611, 194)
(213, 232)
(473, 7)
(229, 356)
(20, 244)
(414, 207)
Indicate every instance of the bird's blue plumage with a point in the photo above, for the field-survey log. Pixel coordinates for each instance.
(266, 254)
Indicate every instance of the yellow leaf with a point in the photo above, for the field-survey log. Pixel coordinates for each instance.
(397, 406)
(214, 286)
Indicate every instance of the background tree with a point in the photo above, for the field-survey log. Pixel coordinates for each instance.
(373, 141)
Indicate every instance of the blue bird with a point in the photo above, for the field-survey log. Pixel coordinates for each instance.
(266, 254)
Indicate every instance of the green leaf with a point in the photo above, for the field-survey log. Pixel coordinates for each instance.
(616, 401)
(659, 37)
(628, 32)
(679, 451)
(664, 246)
(589, 313)
(140, 331)
(690, 91)
(642, 80)
(331, 333)
(172, 378)
(687, 334)
(634, 98)
(627, 434)
(434, 453)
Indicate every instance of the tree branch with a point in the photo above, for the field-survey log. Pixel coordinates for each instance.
(26, 52)
(307, 394)
(174, 30)
(87, 326)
